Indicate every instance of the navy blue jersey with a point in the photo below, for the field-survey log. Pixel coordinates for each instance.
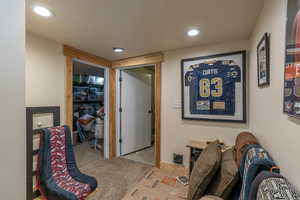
(212, 87)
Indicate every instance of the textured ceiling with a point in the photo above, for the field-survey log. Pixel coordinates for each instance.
(142, 26)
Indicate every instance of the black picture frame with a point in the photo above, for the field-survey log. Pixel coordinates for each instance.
(263, 64)
(243, 54)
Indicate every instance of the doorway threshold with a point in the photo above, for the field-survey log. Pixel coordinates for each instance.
(145, 156)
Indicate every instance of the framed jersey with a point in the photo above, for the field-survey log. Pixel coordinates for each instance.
(214, 87)
(291, 104)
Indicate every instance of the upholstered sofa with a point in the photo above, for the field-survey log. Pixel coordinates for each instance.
(244, 172)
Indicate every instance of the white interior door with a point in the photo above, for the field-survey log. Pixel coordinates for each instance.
(135, 113)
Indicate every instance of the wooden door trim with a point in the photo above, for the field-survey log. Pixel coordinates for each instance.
(68, 92)
(82, 55)
(157, 112)
(112, 114)
(139, 60)
(151, 59)
(73, 53)
(157, 99)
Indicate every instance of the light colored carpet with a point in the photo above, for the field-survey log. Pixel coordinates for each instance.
(85, 154)
(145, 156)
(115, 176)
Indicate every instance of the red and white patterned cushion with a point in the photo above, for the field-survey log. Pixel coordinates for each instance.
(59, 168)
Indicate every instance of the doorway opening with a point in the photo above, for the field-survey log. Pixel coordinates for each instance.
(89, 105)
(136, 119)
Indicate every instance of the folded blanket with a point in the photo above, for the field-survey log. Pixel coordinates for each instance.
(241, 143)
(255, 160)
(272, 186)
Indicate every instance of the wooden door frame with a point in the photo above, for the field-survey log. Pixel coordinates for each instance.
(151, 59)
(71, 54)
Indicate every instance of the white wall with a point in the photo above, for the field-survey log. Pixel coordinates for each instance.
(275, 130)
(177, 132)
(12, 98)
(45, 73)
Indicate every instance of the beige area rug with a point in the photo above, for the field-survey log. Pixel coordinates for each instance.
(159, 184)
(115, 177)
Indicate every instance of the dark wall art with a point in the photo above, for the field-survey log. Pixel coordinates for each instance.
(263, 61)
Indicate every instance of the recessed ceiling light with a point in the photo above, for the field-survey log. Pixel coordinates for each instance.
(118, 50)
(193, 32)
(42, 11)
